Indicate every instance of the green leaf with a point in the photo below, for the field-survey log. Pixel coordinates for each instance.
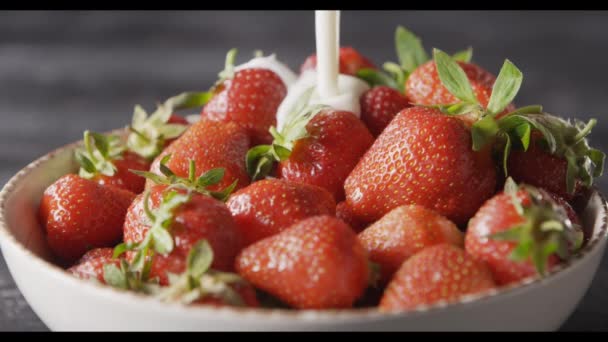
(376, 78)
(409, 48)
(505, 154)
(532, 109)
(228, 71)
(170, 131)
(524, 132)
(505, 88)
(598, 158)
(113, 276)
(399, 75)
(199, 259)
(101, 143)
(122, 248)
(211, 177)
(85, 163)
(139, 116)
(188, 100)
(281, 153)
(453, 77)
(163, 241)
(259, 160)
(523, 250)
(224, 194)
(166, 170)
(151, 176)
(483, 132)
(464, 55)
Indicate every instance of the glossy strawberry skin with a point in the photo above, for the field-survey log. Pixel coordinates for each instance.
(379, 106)
(424, 87)
(345, 213)
(266, 207)
(92, 263)
(251, 99)
(336, 142)
(403, 232)
(317, 263)
(350, 61)
(211, 145)
(496, 215)
(123, 178)
(202, 217)
(79, 214)
(441, 272)
(539, 168)
(423, 157)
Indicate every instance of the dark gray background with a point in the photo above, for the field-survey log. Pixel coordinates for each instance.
(64, 72)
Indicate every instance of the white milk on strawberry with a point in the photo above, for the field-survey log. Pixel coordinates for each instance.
(341, 92)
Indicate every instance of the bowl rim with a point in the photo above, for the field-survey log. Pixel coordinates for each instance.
(367, 313)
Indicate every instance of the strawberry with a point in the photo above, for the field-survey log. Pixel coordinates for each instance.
(425, 87)
(345, 213)
(189, 217)
(521, 232)
(403, 232)
(442, 272)
(317, 263)
(267, 207)
(210, 145)
(379, 105)
(423, 157)
(105, 161)
(350, 61)
(199, 284)
(79, 214)
(553, 154)
(248, 97)
(91, 265)
(317, 147)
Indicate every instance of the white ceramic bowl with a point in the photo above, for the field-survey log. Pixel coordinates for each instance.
(64, 302)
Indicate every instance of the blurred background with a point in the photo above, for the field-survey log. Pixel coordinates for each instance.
(64, 72)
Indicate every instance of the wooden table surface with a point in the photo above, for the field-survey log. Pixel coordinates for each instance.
(64, 72)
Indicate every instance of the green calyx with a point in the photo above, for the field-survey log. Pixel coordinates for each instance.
(198, 184)
(199, 281)
(545, 231)
(98, 154)
(135, 275)
(485, 127)
(411, 54)
(560, 138)
(261, 159)
(149, 133)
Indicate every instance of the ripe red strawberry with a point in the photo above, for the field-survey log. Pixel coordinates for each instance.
(423, 157)
(511, 234)
(196, 217)
(336, 141)
(105, 161)
(267, 207)
(91, 265)
(559, 159)
(350, 61)
(211, 145)
(345, 213)
(248, 97)
(424, 86)
(442, 272)
(317, 263)
(403, 232)
(379, 105)
(79, 214)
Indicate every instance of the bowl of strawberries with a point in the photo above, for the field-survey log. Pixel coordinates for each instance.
(419, 198)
